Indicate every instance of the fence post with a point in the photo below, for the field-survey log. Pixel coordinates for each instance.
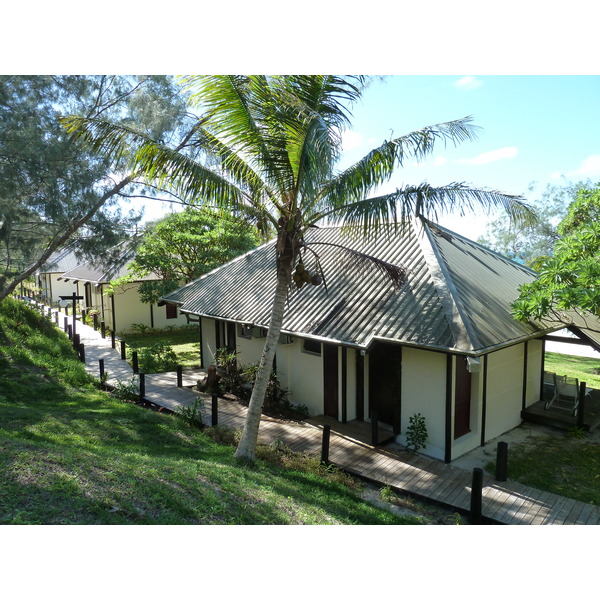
(476, 493)
(215, 410)
(501, 461)
(123, 350)
(325, 445)
(179, 376)
(82, 353)
(581, 407)
(134, 360)
(374, 428)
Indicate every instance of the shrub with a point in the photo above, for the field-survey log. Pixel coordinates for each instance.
(416, 432)
(157, 358)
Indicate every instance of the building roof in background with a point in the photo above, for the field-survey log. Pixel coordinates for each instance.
(61, 261)
(457, 296)
(98, 271)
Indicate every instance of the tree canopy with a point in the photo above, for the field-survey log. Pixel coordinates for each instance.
(187, 244)
(52, 186)
(268, 148)
(568, 280)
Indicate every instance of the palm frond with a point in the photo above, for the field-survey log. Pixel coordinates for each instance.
(359, 180)
(427, 201)
(396, 274)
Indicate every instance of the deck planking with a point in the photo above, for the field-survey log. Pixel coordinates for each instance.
(506, 502)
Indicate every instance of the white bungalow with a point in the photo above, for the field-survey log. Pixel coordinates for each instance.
(445, 346)
(123, 308)
(49, 277)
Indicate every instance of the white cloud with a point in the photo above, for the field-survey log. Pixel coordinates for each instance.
(351, 140)
(438, 161)
(468, 82)
(488, 157)
(589, 167)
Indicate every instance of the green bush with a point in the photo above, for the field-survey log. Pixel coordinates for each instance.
(416, 432)
(157, 358)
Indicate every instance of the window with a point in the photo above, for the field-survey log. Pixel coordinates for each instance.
(171, 311)
(311, 347)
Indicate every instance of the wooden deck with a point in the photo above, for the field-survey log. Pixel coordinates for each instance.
(504, 503)
(563, 419)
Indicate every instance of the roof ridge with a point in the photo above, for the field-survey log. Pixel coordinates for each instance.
(465, 338)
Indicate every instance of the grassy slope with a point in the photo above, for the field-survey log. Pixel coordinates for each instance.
(72, 454)
(584, 369)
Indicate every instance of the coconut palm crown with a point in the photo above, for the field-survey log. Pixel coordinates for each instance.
(267, 147)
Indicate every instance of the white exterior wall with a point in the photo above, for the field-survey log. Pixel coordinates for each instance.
(52, 289)
(504, 392)
(469, 441)
(535, 357)
(302, 374)
(208, 341)
(424, 391)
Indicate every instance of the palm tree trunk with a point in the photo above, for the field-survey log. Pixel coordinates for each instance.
(247, 445)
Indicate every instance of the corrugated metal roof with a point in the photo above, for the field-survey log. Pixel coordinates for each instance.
(99, 271)
(457, 296)
(60, 261)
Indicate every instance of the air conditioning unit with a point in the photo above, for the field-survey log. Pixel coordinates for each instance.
(285, 339)
(252, 331)
(473, 364)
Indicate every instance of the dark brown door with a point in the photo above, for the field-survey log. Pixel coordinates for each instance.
(462, 398)
(330, 380)
(385, 371)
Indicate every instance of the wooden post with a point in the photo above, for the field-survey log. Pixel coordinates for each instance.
(70, 331)
(374, 428)
(101, 365)
(215, 409)
(113, 341)
(501, 461)
(581, 407)
(476, 497)
(142, 386)
(325, 445)
(76, 341)
(65, 323)
(73, 297)
(95, 317)
(103, 329)
(82, 353)
(134, 360)
(123, 350)
(179, 376)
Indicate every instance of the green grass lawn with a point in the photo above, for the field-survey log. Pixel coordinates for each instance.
(563, 465)
(72, 454)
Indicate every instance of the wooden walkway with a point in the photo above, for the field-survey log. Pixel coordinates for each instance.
(505, 503)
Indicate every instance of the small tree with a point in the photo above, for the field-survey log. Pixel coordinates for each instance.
(188, 244)
(570, 279)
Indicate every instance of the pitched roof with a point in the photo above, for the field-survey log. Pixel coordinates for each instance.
(60, 261)
(457, 296)
(98, 271)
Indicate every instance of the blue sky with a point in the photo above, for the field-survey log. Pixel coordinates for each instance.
(542, 129)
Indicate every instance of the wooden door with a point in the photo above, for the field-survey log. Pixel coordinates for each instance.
(462, 398)
(330, 380)
(385, 373)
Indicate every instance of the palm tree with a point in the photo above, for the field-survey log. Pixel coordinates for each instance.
(267, 146)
